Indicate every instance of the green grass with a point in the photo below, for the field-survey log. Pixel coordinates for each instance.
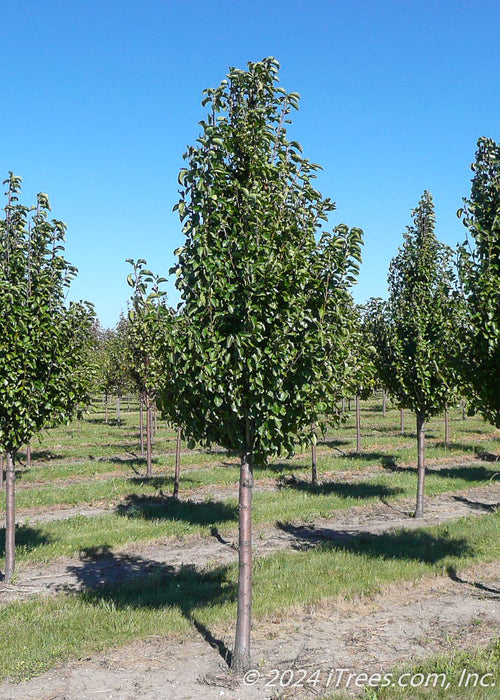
(143, 515)
(452, 665)
(39, 633)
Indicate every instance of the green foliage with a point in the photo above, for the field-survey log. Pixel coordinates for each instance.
(44, 345)
(146, 329)
(413, 332)
(265, 313)
(479, 267)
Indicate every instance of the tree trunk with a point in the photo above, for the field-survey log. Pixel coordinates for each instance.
(343, 405)
(402, 415)
(10, 517)
(446, 427)
(314, 466)
(141, 424)
(28, 455)
(384, 402)
(2, 477)
(128, 403)
(349, 404)
(419, 512)
(106, 410)
(118, 409)
(241, 654)
(149, 436)
(464, 413)
(358, 426)
(177, 474)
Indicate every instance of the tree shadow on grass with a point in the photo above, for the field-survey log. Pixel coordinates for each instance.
(127, 581)
(417, 545)
(356, 490)
(164, 481)
(333, 442)
(166, 508)
(281, 467)
(39, 456)
(382, 458)
(27, 539)
(467, 473)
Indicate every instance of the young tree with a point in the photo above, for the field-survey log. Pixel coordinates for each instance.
(43, 343)
(144, 335)
(262, 302)
(413, 332)
(479, 274)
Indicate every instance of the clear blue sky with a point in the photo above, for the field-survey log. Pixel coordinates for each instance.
(99, 100)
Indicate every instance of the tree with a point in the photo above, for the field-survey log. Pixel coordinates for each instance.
(44, 345)
(262, 302)
(413, 332)
(144, 332)
(479, 274)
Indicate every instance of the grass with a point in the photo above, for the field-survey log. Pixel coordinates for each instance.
(454, 674)
(39, 633)
(143, 515)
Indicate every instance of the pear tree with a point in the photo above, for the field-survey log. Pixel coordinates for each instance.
(263, 302)
(44, 343)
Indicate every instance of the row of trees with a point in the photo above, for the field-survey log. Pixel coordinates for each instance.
(267, 339)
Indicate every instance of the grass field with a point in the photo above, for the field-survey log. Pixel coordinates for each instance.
(94, 463)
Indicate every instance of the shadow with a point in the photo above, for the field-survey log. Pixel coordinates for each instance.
(344, 489)
(485, 456)
(39, 456)
(125, 581)
(166, 508)
(281, 467)
(476, 505)
(27, 539)
(165, 481)
(332, 442)
(380, 457)
(466, 473)
(415, 545)
(452, 573)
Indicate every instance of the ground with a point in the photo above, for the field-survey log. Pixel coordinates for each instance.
(302, 637)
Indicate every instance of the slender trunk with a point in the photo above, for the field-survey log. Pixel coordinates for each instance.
(241, 654)
(349, 405)
(402, 422)
(384, 402)
(118, 409)
(419, 512)
(128, 403)
(149, 466)
(28, 455)
(2, 477)
(464, 412)
(343, 405)
(106, 410)
(141, 425)
(10, 517)
(177, 474)
(446, 427)
(358, 426)
(314, 466)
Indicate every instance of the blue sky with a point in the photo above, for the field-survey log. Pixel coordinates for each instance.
(100, 100)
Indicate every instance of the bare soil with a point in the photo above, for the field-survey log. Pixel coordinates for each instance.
(116, 565)
(404, 623)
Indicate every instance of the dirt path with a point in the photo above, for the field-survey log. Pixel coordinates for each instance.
(116, 565)
(405, 622)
